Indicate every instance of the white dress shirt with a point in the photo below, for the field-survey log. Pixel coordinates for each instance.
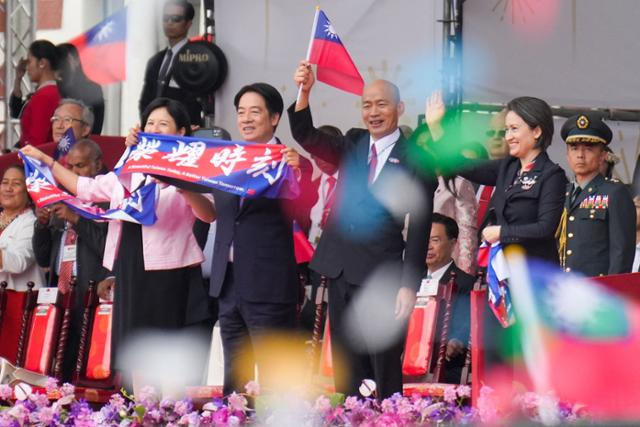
(18, 259)
(384, 146)
(174, 52)
(636, 260)
(315, 231)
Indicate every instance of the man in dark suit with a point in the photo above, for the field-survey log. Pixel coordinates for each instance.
(597, 232)
(53, 246)
(377, 188)
(440, 264)
(158, 81)
(253, 273)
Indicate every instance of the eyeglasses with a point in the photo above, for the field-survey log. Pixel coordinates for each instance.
(67, 120)
(174, 19)
(492, 133)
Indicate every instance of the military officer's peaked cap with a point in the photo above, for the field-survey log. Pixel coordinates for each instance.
(586, 128)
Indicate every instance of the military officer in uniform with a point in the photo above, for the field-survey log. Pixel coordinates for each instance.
(597, 229)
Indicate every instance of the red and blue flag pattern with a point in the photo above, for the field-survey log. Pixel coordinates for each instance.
(241, 168)
(334, 65)
(102, 49)
(498, 286)
(138, 208)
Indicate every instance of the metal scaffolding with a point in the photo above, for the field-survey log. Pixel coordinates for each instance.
(19, 32)
(452, 52)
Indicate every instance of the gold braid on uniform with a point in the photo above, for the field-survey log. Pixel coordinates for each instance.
(561, 235)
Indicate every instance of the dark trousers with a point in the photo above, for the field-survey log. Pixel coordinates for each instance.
(242, 325)
(352, 365)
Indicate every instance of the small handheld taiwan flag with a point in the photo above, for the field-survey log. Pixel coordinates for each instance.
(102, 49)
(65, 144)
(335, 66)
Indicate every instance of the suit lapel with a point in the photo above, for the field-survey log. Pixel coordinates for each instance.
(396, 157)
(533, 174)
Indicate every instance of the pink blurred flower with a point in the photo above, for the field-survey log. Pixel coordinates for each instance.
(237, 401)
(464, 391)
(351, 403)
(51, 384)
(322, 405)
(5, 392)
(67, 389)
(487, 408)
(252, 388)
(450, 394)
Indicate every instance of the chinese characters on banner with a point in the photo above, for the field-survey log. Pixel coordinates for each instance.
(241, 168)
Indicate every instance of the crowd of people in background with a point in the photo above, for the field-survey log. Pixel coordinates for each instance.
(371, 205)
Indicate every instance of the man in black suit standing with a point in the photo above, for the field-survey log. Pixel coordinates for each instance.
(253, 272)
(177, 17)
(61, 236)
(440, 265)
(364, 229)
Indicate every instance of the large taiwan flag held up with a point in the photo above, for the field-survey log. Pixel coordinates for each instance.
(335, 66)
(102, 49)
(581, 340)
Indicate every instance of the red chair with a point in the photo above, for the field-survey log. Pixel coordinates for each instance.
(94, 377)
(13, 310)
(45, 334)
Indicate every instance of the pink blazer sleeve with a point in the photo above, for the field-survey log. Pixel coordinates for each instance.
(98, 189)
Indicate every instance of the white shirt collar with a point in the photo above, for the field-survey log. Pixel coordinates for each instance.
(176, 47)
(384, 144)
(437, 275)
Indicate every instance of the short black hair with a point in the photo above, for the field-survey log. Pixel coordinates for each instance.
(176, 110)
(450, 225)
(44, 49)
(272, 98)
(189, 11)
(535, 112)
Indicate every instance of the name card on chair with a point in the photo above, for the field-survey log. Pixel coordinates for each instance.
(428, 288)
(47, 295)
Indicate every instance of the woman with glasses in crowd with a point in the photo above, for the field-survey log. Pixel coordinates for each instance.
(38, 107)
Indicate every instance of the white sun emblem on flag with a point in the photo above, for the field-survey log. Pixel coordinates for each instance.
(573, 302)
(63, 144)
(329, 31)
(104, 32)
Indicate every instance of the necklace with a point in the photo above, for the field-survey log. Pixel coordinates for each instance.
(4, 222)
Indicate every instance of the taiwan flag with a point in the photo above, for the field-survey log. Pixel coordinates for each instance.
(580, 339)
(102, 49)
(335, 66)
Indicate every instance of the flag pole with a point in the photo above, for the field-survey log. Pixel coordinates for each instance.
(313, 33)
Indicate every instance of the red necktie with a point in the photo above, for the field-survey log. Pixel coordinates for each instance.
(328, 200)
(483, 203)
(373, 163)
(66, 267)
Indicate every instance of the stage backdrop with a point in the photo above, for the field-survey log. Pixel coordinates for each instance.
(264, 40)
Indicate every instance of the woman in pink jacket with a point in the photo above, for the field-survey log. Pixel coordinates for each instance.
(151, 263)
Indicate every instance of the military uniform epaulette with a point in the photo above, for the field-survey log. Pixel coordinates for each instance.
(614, 180)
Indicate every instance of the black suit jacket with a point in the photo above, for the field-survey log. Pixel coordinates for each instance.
(150, 89)
(89, 253)
(361, 232)
(529, 209)
(601, 224)
(264, 264)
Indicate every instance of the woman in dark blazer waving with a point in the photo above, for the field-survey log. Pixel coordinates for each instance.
(529, 188)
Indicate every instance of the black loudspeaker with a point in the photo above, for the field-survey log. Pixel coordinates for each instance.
(200, 67)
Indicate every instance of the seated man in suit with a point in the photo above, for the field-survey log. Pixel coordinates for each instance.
(68, 245)
(74, 114)
(444, 236)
